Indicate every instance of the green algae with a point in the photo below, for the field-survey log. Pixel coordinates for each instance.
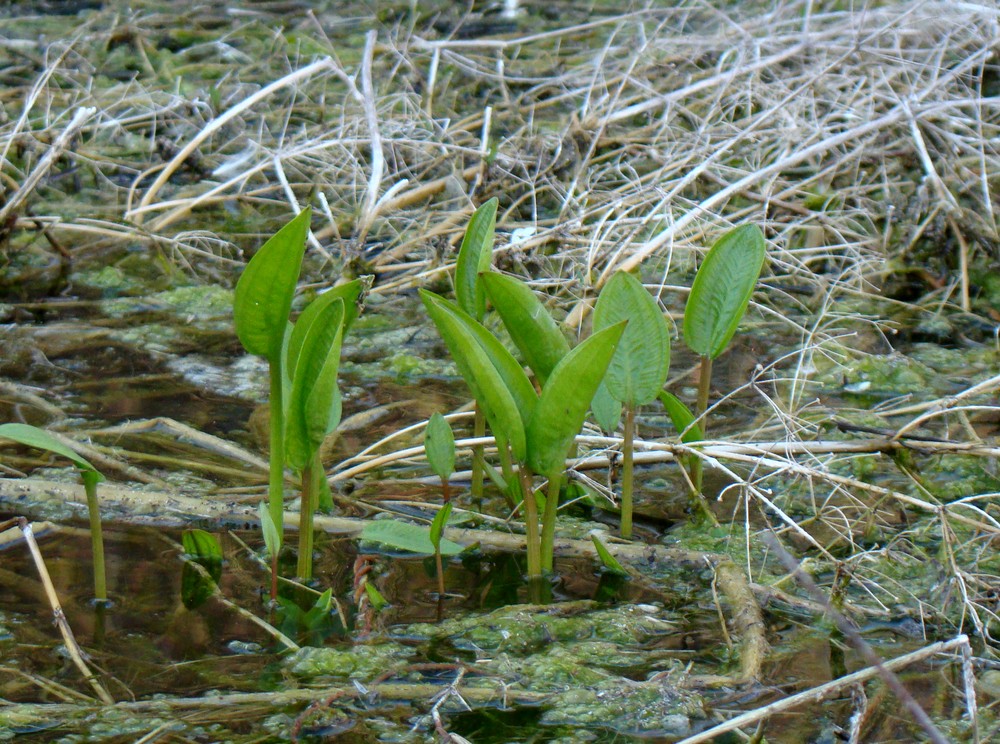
(360, 661)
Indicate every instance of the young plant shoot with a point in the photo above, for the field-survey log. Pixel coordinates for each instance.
(474, 257)
(718, 300)
(439, 444)
(437, 531)
(638, 369)
(535, 431)
(261, 306)
(32, 436)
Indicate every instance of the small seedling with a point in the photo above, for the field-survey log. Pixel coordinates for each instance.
(638, 369)
(437, 529)
(474, 257)
(32, 436)
(439, 444)
(261, 306)
(719, 297)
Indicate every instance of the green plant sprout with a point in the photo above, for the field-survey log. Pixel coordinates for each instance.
(439, 444)
(638, 369)
(474, 257)
(314, 409)
(32, 436)
(719, 297)
(534, 430)
(437, 530)
(261, 307)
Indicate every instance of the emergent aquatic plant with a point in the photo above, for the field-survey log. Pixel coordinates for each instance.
(261, 306)
(639, 368)
(719, 297)
(439, 444)
(32, 436)
(534, 430)
(474, 257)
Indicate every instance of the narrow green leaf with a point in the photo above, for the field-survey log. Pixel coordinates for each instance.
(607, 560)
(437, 526)
(201, 545)
(314, 386)
(474, 257)
(272, 538)
(263, 298)
(721, 290)
(477, 368)
(530, 325)
(640, 366)
(413, 538)
(682, 418)
(32, 436)
(566, 398)
(607, 411)
(439, 443)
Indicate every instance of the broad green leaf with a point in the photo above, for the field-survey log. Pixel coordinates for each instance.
(566, 398)
(405, 536)
(439, 443)
(314, 386)
(477, 368)
(474, 257)
(32, 436)
(682, 418)
(263, 298)
(201, 545)
(352, 294)
(530, 325)
(272, 538)
(607, 560)
(437, 526)
(721, 290)
(639, 367)
(607, 411)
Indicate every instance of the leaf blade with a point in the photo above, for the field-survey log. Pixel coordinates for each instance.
(474, 257)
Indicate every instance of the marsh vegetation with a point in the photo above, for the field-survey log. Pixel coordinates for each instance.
(459, 499)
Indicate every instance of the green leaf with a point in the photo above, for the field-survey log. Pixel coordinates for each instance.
(477, 368)
(201, 545)
(607, 560)
(437, 526)
(375, 596)
(439, 443)
(721, 290)
(314, 402)
(530, 325)
(351, 294)
(272, 538)
(566, 398)
(607, 411)
(405, 536)
(32, 436)
(681, 417)
(474, 257)
(640, 366)
(263, 298)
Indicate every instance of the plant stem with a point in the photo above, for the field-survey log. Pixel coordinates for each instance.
(478, 430)
(549, 520)
(627, 451)
(531, 523)
(507, 468)
(274, 577)
(446, 490)
(276, 481)
(306, 511)
(704, 385)
(440, 573)
(96, 538)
